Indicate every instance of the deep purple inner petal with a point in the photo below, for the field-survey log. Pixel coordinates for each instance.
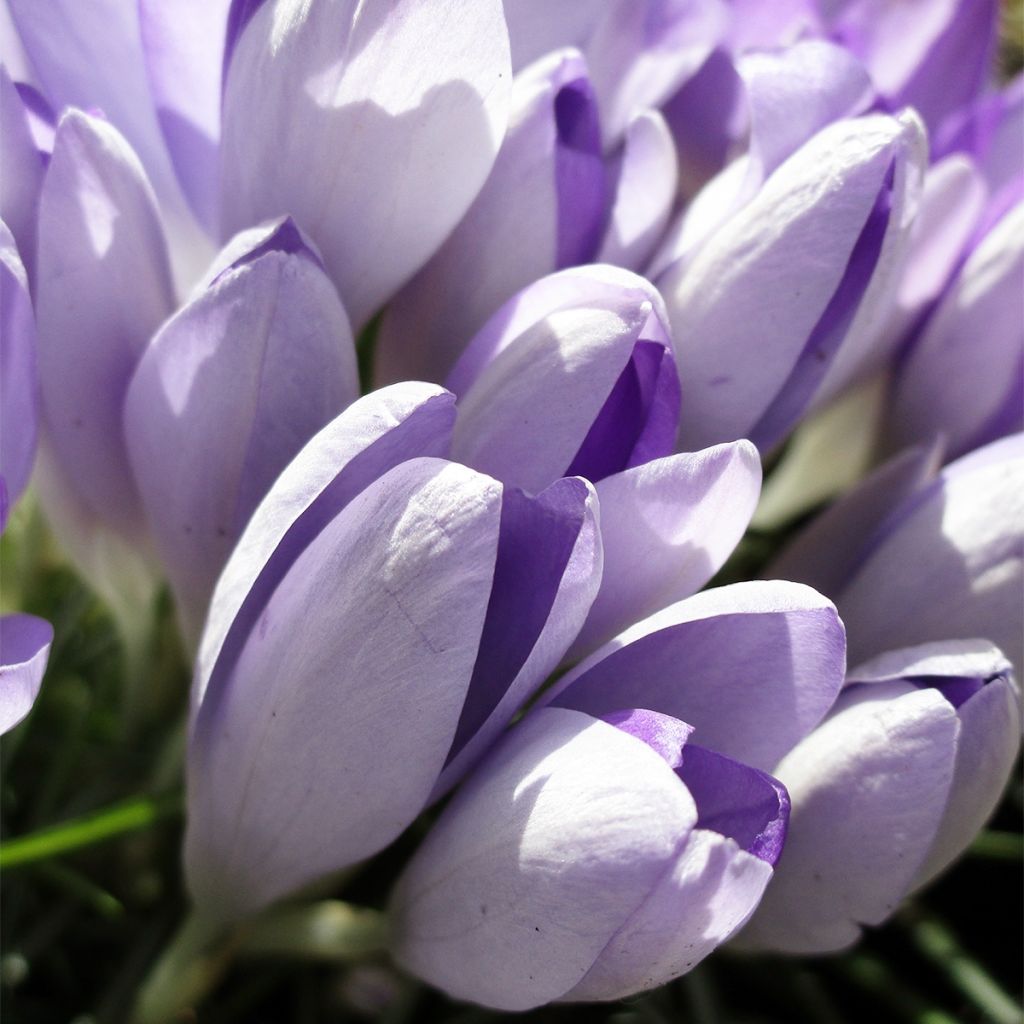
(581, 183)
(830, 331)
(239, 15)
(665, 735)
(535, 541)
(956, 689)
(737, 801)
(638, 421)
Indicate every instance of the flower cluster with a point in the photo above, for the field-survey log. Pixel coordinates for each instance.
(430, 351)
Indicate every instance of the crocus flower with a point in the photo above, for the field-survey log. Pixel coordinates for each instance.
(888, 790)
(227, 391)
(587, 859)
(575, 375)
(751, 669)
(911, 557)
(809, 260)
(380, 620)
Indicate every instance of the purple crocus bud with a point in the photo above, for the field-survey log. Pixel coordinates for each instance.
(753, 667)
(573, 376)
(374, 125)
(100, 240)
(229, 389)
(24, 649)
(962, 532)
(542, 208)
(935, 56)
(888, 791)
(963, 377)
(379, 622)
(19, 385)
(780, 305)
(587, 859)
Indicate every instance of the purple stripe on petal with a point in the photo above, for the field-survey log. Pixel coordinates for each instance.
(285, 238)
(665, 735)
(42, 121)
(737, 801)
(535, 543)
(580, 179)
(828, 334)
(240, 14)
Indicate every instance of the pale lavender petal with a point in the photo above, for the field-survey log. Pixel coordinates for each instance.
(964, 536)
(934, 55)
(825, 553)
(753, 667)
(19, 385)
(366, 646)
(778, 263)
(546, 574)
(521, 884)
(644, 194)
(538, 27)
(642, 51)
(21, 171)
(709, 118)
(100, 240)
(24, 649)
(664, 734)
(372, 436)
(414, 96)
(667, 527)
(794, 93)
(755, 25)
(183, 45)
(869, 788)
(667, 935)
(542, 208)
(966, 365)
(228, 391)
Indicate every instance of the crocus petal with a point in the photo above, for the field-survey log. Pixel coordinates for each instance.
(795, 279)
(962, 378)
(19, 386)
(228, 391)
(642, 51)
(379, 670)
(372, 436)
(499, 904)
(24, 649)
(414, 94)
(526, 416)
(21, 171)
(869, 787)
(546, 575)
(758, 26)
(183, 45)
(826, 552)
(963, 536)
(709, 117)
(934, 55)
(665, 938)
(795, 93)
(753, 667)
(645, 192)
(542, 208)
(100, 240)
(537, 27)
(667, 527)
